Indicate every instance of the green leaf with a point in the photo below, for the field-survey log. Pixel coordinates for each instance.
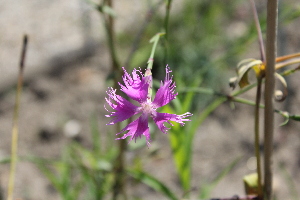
(289, 12)
(251, 183)
(187, 103)
(287, 117)
(140, 56)
(108, 10)
(281, 96)
(181, 139)
(42, 164)
(181, 154)
(5, 160)
(153, 183)
(95, 135)
(180, 150)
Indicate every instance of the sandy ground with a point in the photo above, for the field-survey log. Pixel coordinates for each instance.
(66, 69)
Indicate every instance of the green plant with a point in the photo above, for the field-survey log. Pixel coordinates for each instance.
(82, 172)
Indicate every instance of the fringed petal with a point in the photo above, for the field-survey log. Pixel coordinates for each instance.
(166, 91)
(161, 118)
(136, 129)
(123, 108)
(136, 87)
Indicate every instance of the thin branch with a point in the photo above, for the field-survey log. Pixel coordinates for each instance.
(260, 38)
(287, 57)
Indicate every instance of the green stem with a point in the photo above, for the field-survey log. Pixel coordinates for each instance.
(148, 72)
(166, 24)
(239, 100)
(202, 90)
(245, 101)
(272, 17)
(119, 168)
(15, 128)
(244, 89)
(256, 132)
(155, 40)
(110, 32)
(168, 9)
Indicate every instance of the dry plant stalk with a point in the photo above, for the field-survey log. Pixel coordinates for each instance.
(271, 49)
(15, 127)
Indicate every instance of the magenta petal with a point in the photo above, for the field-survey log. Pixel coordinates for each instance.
(161, 118)
(137, 128)
(123, 108)
(136, 87)
(166, 91)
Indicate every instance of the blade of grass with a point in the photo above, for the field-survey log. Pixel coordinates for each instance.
(95, 135)
(181, 139)
(44, 167)
(153, 183)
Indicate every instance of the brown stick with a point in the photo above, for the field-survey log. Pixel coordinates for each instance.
(15, 128)
(271, 49)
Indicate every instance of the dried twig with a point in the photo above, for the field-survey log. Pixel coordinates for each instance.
(15, 128)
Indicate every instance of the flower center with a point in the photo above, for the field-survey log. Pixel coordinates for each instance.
(147, 108)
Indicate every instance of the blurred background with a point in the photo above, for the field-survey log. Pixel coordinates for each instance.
(67, 72)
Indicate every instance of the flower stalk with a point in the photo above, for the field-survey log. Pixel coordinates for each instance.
(256, 136)
(119, 168)
(155, 40)
(271, 51)
(259, 33)
(166, 27)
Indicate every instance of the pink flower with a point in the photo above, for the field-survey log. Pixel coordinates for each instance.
(138, 87)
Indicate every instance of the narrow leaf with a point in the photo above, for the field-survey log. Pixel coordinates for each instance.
(206, 190)
(153, 183)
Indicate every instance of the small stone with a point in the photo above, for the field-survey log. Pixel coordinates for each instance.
(72, 128)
